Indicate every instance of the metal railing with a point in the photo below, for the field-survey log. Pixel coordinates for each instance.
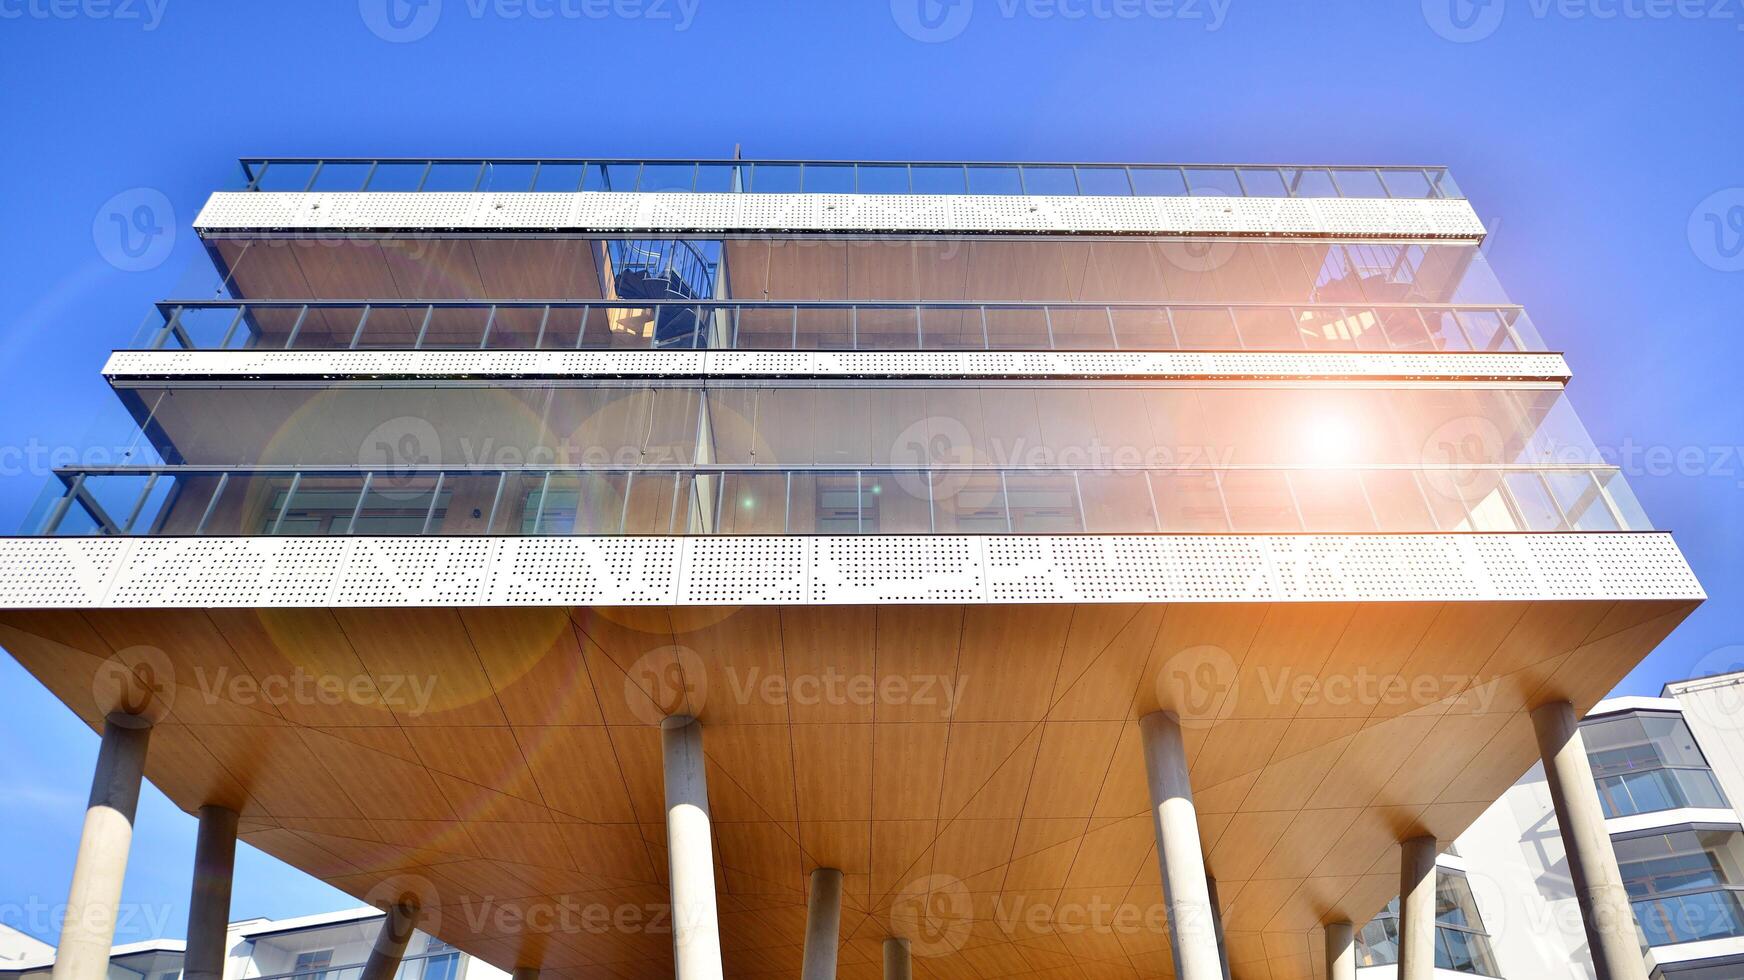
(705, 500)
(631, 325)
(568, 175)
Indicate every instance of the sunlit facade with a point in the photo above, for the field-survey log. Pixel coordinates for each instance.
(1118, 454)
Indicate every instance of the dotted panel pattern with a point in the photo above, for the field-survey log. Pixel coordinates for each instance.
(917, 569)
(365, 571)
(749, 571)
(398, 363)
(575, 571)
(606, 211)
(809, 364)
(65, 573)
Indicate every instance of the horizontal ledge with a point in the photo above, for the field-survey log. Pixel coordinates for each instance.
(554, 364)
(361, 571)
(242, 212)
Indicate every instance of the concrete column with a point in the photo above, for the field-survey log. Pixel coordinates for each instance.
(1340, 951)
(390, 942)
(1217, 923)
(898, 965)
(1592, 865)
(823, 925)
(89, 927)
(696, 937)
(209, 901)
(525, 973)
(1417, 909)
(1192, 934)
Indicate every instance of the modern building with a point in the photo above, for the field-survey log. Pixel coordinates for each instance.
(712, 568)
(331, 946)
(1670, 773)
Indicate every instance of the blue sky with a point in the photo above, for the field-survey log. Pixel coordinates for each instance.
(1599, 140)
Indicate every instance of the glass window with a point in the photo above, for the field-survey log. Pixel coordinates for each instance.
(969, 503)
(668, 178)
(1407, 183)
(1259, 502)
(507, 177)
(312, 965)
(1646, 762)
(1461, 944)
(1117, 502)
(1332, 501)
(1359, 183)
(1309, 183)
(875, 179)
(1159, 181)
(560, 178)
(1577, 493)
(1533, 502)
(994, 180)
(1043, 503)
(1267, 328)
(773, 178)
(1263, 183)
(940, 180)
(1684, 885)
(824, 178)
(1209, 182)
(1050, 181)
(1104, 181)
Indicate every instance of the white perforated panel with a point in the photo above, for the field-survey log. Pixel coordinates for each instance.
(369, 571)
(808, 364)
(234, 211)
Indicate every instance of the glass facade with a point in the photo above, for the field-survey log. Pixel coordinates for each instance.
(1646, 762)
(1685, 885)
(840, 177)
(1461, 944)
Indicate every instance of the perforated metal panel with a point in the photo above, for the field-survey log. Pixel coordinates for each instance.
(371, 571)
(607, 211)
(808, 364)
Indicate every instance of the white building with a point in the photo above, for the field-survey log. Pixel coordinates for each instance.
(1670, 774)
(330, 946)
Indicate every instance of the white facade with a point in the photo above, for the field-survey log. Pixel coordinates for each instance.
(1514, 861)
(331, 946)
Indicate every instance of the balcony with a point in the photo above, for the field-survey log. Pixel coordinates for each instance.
(567, 175)
(824, 326)
(197, 501)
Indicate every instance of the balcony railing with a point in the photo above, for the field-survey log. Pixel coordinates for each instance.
(633, 325)
(209, 500)
(568, 175)
(429, 966)
(1687, 917)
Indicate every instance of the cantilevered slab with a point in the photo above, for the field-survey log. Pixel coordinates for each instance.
(232, 212)
(977, 760)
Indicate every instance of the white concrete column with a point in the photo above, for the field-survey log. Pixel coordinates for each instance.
(1340, 951)
(1592, 865)
(209, 899)
(823, 925)
(89, 928)
(1417, 909)
(1192, 933)
(390, 942)
(696, 937)
(898, 965)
